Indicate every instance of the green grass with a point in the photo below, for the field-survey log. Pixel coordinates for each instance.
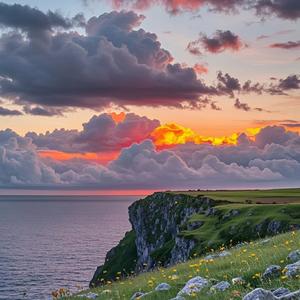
(217, 231)
(121, 260)
(262, 196)
(249, 261)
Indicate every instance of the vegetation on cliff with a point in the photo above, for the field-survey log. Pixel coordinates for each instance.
(248, 261)
(169, 228)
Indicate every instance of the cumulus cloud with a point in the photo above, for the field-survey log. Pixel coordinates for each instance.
(111, 63)
(271, 159)
(221, 41)
(100, 134)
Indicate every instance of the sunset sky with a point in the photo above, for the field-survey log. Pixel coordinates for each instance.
(145, 95)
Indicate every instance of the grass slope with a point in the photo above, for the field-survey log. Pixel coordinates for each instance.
(121, 260)
(223, 229)
(248, 261)
(220, 230)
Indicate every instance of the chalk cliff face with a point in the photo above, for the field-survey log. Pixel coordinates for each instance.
(169, 228)
(157, 221)
(156, 224)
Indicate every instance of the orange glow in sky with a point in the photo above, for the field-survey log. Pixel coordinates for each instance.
(118, 118)
(164, 136)
(102, 158)
(174, 134)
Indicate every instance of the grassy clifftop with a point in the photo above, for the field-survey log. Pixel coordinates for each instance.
(248, 261)
(169, 228)
(272, 196)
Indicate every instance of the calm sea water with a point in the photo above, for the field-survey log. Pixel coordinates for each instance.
(52, 242)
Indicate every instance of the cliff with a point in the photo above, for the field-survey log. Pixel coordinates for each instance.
(170, 228)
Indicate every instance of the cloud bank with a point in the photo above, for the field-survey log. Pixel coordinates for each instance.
(271, 158)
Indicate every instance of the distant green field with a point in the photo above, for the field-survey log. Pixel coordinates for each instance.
(255, 196)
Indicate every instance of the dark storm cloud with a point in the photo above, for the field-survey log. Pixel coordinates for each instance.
(221, 41)
(287, 45)
(8, 112)
(112, 63)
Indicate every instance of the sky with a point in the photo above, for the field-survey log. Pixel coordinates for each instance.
(119, 95)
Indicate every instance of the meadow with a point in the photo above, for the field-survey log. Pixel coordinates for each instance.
(248, 261)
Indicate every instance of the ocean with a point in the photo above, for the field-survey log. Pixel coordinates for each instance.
(51, 242)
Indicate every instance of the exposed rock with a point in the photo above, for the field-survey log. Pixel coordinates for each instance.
(137, 295)
(265, 241)
(224, 253)
(291, 296)
(194, 285)
(174, 212)
(221, 286)
(274, 227)
(294, 256)
(89, 296)
(293, 269)
(159, 238)
(182, 249)
(272, 271)
(194, 225)
(270, 227)
(163, 287)
(211, 211)
(232, 213)
(281, 292)
(217, 255)
(260, 294)
(238, 281)
(210, 256)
